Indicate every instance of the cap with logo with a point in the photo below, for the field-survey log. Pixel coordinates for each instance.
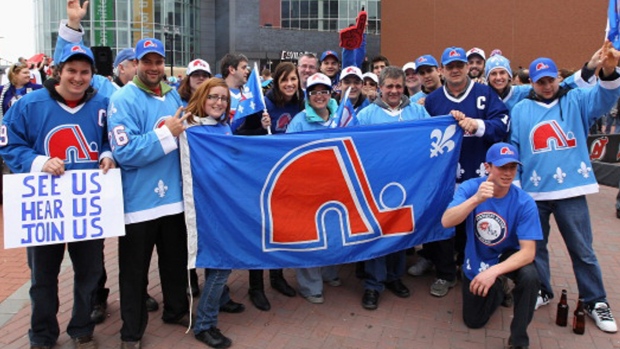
(476, 51)
(453, 54)
(497, 62)
(351, 71)
(426, 60)
(74, 50)
(372, 76)
(501, 154)
(409, 65)
(149, 45)
(127, 54)
(196, 65)
(318, 79)
(329, 53)
(543, 67)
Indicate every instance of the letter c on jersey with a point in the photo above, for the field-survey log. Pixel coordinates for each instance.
(323, 178)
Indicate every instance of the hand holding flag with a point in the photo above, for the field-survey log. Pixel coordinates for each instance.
(253, 100)
(613, 23)
(345, 114)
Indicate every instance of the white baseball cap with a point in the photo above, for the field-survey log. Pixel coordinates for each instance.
(371, 76)
(409, 65)
(198, 64)
(318, 79)
(351, 70)
(476, 51)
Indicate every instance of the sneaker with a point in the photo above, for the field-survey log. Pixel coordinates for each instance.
(85, 342)
(131, 345)
(315, 299)
(543, 299)
(370, 300)
(440, 287)
(507, 287)
(420, 267)
(601, 314)
(334, 282)
(214, 338)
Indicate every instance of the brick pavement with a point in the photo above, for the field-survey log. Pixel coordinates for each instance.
(421, 321)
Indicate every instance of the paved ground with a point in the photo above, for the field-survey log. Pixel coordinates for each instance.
(421, 321)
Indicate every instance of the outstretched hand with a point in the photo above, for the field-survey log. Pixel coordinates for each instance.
(75, 13)
(609, 58)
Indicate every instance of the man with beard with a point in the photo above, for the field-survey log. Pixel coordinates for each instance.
(144, 122)
(476, 60)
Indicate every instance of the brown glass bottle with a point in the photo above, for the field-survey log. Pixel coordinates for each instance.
(579, 321)
(561, 317)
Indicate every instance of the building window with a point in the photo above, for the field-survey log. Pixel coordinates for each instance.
(328, 15)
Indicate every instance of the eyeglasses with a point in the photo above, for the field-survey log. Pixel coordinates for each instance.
(319, 93)
(215, 98)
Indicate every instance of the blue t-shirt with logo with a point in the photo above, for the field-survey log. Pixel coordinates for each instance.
(496, 225)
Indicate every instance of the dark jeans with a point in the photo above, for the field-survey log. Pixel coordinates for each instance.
(44, 263)
(477, 310)
(384, 269)
(169, 236)
(441, 253)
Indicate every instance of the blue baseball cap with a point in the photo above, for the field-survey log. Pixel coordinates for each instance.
(74, 50)
(543, 67)
(149, 45)
(127, 54)
(425, 60)
(329, 53)
(497, 62)
(501, 154)
(453, 54)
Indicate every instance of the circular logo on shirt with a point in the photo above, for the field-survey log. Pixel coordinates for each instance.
(283, 121)
(490, 228)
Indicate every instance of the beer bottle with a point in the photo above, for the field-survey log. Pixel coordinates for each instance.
(579, 321)
(561, 317)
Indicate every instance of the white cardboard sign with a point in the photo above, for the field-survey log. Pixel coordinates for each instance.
(43, 209)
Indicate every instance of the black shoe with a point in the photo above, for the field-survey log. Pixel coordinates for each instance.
(370, 300)
(151, 304)
(280, 285)
(618, 213)
(98, 314)
(232, 307)
(183, 321)
(214, 338)
(259, 300)
(398, 288)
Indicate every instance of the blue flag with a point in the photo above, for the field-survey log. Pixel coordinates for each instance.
(317, 198)
(613, 23)
(252, 100)
(345, 114)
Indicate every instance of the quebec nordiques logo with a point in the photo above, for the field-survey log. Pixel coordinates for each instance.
(77, 48)
(422, 59)
(454, 53)
(541, 66)
(490, 228)
(149, 43)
